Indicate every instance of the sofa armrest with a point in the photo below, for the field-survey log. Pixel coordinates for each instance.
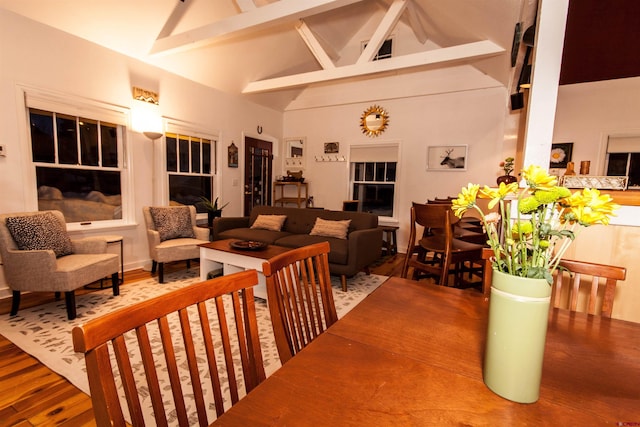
(89, 245)
(229, 223)
(365, 247)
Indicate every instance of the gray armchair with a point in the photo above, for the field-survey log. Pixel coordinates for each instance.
(39, 256)
(172, 235)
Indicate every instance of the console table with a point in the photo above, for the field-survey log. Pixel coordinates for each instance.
(300, 200)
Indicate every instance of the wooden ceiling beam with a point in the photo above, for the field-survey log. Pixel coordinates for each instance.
(444, 55)
(315, 46)
(258, 18)
(385, 27)
(245, 5)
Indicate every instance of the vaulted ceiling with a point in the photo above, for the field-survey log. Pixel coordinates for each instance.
(271, 50)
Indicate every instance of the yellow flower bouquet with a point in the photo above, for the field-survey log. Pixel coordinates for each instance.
(532, 243)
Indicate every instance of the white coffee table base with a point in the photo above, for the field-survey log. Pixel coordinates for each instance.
(213, 259)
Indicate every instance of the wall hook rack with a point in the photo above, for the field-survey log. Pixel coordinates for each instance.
(330, 158)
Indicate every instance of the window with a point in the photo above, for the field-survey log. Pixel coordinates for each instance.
(385, 51)
(77, 165)
(623, 158)
(189, 168)
(373, 178)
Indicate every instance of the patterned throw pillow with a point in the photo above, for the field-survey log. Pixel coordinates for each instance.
(172, 223)
(269, 222)
(40, 232)
(328, 228)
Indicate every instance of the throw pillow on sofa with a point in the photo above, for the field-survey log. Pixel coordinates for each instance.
(328, 228)
(269, 222)
(172, 223)
(39, 232)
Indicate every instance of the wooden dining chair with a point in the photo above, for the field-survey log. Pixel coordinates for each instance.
(300, 297)
(214, 328)
(436, 252)
(572, 274)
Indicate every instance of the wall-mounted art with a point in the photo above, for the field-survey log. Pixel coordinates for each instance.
(560, 155)
(447, 158)
(331, 147)
(232, 152)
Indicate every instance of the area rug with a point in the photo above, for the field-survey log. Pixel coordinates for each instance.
(45, 332)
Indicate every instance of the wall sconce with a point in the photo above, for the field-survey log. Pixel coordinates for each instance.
(145, 114)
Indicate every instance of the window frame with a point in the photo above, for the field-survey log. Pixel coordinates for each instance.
(82, 108)
(635, 136)
(185, 129)
(371, 148)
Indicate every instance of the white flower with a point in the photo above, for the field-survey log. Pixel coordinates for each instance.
(557, 155)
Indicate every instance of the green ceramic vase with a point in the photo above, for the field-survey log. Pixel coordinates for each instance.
(516, 334)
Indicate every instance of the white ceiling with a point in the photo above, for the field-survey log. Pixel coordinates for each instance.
(270, 46)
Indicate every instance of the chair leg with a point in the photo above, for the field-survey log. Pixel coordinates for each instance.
(188, 263)
(56, 294)
(15, 303)
(343, 280)
(115, 283)
(70, 301)
(154, 265)
(161, 272)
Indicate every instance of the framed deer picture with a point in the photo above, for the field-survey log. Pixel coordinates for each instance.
(447, 158)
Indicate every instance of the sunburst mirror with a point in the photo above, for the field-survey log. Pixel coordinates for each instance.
(374, 121)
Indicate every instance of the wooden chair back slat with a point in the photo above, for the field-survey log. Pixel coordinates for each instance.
(300, 297)
(92, 339)
(128, 380)
(572, 273)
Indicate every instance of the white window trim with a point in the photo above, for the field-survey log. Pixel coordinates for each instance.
(161, 190)
(397, 182)
(60, 102)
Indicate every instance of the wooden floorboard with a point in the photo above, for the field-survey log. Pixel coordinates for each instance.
(33, 395)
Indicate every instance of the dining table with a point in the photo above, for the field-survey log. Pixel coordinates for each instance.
(411, 354)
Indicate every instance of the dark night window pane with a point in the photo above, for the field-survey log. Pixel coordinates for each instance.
(391, 172)
(42, 143)
(634, 170)
(89, 142)
(195, 156)
(375, 198)
(67, 139)
(75, 185)
(206, 156)
(359, 172)
(184, 155)
(617, 164)
(380, 168)
(172, 154)
(369, 172)
(188, 190)
(109, 134)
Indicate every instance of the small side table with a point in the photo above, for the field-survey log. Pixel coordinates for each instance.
(389, 239)
(111, 240)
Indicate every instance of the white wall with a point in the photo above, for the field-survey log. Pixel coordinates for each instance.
(586, 113)
(473, 117)
(39, 56)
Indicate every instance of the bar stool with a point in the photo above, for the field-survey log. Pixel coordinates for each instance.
(389, 239)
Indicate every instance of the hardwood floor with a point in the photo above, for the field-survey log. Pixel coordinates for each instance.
(33, 395)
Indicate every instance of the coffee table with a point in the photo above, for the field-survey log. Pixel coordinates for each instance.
(220, 255)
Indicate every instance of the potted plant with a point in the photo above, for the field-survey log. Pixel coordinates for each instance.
(529, 233)
(213, 210)
(507, 167)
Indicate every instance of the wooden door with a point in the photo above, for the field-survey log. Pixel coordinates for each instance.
(258, 160)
